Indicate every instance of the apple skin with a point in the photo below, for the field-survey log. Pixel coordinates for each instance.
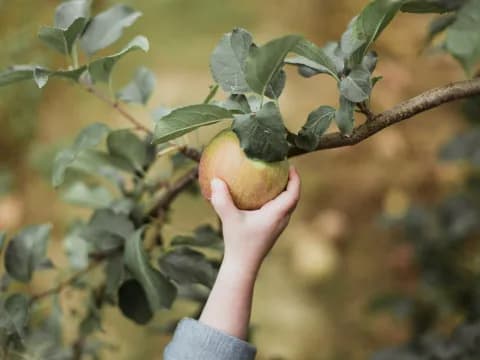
(251, 182)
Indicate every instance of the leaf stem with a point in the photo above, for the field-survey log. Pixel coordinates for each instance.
(211, 94)
(365, 110)
(116, 105)
(74, 56)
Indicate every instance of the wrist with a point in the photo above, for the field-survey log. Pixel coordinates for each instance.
(238, 268)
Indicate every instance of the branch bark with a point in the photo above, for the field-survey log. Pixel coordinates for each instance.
(405, 110)
(191, 153)
(174, 190)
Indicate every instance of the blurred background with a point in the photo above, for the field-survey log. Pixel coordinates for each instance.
(313, 293)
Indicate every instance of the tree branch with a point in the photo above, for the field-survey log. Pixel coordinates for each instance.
(164, 203)
(405, 110)
(116, 105)
(65, 283)
(365, 110)
(97, 259)
(191, 153)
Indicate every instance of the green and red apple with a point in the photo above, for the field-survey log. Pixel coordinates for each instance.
(252, 182)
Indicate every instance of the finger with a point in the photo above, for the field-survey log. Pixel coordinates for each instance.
(288, 199)
(221, 199)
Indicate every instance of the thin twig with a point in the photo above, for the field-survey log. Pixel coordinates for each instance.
(211, 94)
(116, 105)
(97, 259)
(365, 110)
(428, 100)
(65, 283)
(174, 190)
(191, 153)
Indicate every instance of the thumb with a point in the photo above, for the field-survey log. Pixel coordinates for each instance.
(221, 199)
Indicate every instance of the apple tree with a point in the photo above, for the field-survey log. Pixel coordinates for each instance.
(114, 172)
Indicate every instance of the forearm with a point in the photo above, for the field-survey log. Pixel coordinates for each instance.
(229, 305)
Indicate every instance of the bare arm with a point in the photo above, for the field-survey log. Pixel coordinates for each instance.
(248, 236)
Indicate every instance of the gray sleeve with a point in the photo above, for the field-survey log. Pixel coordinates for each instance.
(193, 340)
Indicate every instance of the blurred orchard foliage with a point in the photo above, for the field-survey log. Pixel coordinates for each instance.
(439, 258)
(129, 177)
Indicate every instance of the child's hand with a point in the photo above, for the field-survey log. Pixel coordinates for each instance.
(249, 235)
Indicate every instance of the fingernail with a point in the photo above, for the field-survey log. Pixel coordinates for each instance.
(215, 184)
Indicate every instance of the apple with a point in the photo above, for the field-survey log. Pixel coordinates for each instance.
(252, 182)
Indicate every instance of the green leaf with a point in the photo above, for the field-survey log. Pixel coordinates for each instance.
(264, 62)
(5, 281)
(101, 69)
(312, 68)
(344, 116)
(365, 28)
(431, 6)
(124, 144)
(463, 147)
(27, 251)
(3, 236)
(207, 235)
(204, 236)
(69, 74)
(183, 120)
(76, 248)
(330, 54)
(160, 112)
(334, 53)
(83, 195)
(107, 220)
(255, 102)
(236, 102)
(228, 61)
(15, 314)
(321, 61)
(375, 80)
(317, 123)
(187, 266)
(96, 162)
(89, 137)
(262, 135)
(438, 25)
(62, 40)
(276, 86)
(92, 320)
(52, 325)
(107, 230)
(17, 73)
(69, 11)
(62, 162)
(357, 86)
(140, 89)
(107, 27)
(369, 61)
(133, 302)
(159, 290)
(114, 272)
(463, 36)
(39, 74)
